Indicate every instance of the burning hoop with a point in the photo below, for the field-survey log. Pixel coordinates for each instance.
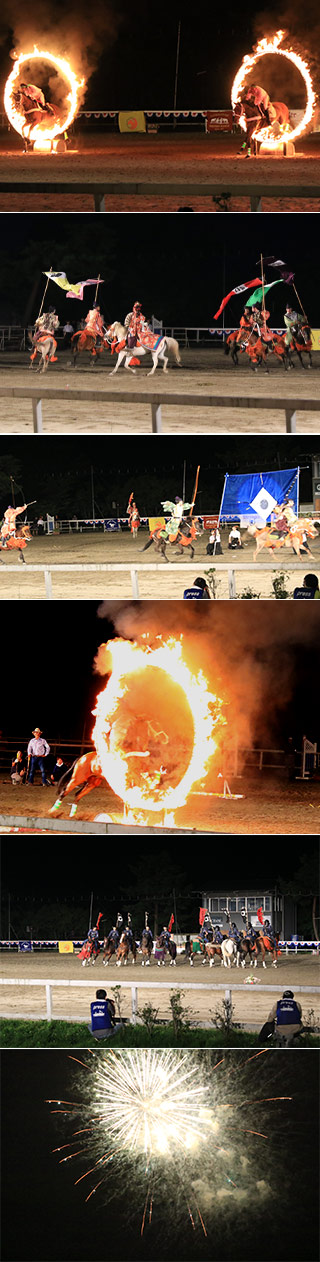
(18, 120)
(135, 752)
(263, 48)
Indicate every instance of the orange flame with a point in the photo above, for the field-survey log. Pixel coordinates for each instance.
(266, 47)
(39, 133)
(148, 790)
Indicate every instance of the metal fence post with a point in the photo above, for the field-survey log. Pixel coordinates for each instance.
(256, 201)
(37, 416)
(156, 418)
(48, 584)
(135, 584)
(134, 1004)
(232, 585)
(291, 421)
(99, 200)
(49, 1001)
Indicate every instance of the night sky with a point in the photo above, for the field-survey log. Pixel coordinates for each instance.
(177, 269)
(268, 664)
(60, 479)
(45, 1216)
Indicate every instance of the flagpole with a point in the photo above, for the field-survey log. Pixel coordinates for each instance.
(44, 294)
(221, 503)
(97, 287)
(299, 300)
(262, 283)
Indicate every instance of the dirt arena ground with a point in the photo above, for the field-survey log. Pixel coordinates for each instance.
(269, 806)
(100, 548)
(203, 372)
(180, 157)
(250, 1007)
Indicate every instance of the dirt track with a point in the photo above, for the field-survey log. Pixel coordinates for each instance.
(269, 805)
(203, 372)
(181, 158)
(251, 1007)
(99, 548)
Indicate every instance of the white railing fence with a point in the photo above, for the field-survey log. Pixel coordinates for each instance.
(134, 987)
(49, 571)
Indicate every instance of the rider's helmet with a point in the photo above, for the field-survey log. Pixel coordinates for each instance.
(137, 306)
(288, 994)
(178, 499)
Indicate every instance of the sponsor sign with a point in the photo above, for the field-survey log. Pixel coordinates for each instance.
(219, 120)
(315, 338)
(25, 945)
(210, 523)
(65, 948)
(132, 121)
(156, 521)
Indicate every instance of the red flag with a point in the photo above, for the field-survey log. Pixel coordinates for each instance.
(238, 289)
(171, 922)
(98, 920)
(260, 915)
(202, 914)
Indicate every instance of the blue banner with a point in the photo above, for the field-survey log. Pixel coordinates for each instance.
(251, 494)
(25, 945)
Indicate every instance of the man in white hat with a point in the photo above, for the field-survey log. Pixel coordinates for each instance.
(38, 749)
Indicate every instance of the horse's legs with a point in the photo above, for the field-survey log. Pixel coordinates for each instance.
(155, 359)
(121, 356)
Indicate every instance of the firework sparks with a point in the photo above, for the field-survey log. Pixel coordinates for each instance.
(172, 1126)
(267, 47)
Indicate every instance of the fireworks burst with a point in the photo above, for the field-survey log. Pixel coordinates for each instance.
(163, 1127)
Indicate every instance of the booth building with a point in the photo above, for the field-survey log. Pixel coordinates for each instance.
(280, 909)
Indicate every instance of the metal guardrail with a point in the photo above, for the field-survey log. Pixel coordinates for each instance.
(135, 986)
(122, 567)
(100, 191)
(155, 400)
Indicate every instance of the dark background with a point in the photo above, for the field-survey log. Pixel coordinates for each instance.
(177, 266)
(61, 482)
(45, 1216)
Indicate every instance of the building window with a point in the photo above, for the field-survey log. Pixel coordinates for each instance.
(232, 904)
(222, 903)
(214, 904)
(267, 902)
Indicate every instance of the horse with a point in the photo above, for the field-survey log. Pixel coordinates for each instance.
(149, 343)
(89, 953)
(249, 341)
(301, 342)
(264, 946)
(18, 541)
(146, 948)
(265, 538)
(83, 340)
(45, 347)
(109, 949)
(185, 536)
(127, 943)
(256, 127)
(83, 776)
(35, 116)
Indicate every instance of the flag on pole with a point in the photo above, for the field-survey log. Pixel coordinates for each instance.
(171, 922)
(249, 495)
(260, 915)
(202, 914)
(71, 290)
(238, 289)
(257, 296)
(281, 267)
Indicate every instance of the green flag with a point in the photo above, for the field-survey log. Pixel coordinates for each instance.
(257, 295)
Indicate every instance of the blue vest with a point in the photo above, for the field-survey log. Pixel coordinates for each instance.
(100, 1015)
(288, 1012)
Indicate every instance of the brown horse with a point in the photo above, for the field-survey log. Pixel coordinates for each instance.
(266, 537)
(146, 948)
(255, 123)
(127, 943)
(84, 775)
(301, 342)
(109, 949)
(82, 341)
(185, 537)
(264, 946)
(250, 342)
(17, 541)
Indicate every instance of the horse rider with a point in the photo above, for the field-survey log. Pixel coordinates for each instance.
(134, 323)
(234, 934)
(293, 321)
(268, 932)
(260, 322)
(94, 322)
(218, 936)
(47, 323)
(176, 510)
(166, 936)
(129, 936)
(147, 936)
(8, 528)
(134, 519)
(246, 322)
(114, 937)
(93, 940)
(259, 97)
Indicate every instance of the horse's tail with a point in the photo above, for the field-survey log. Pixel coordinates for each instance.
(62, 784)
(174, 347)
(147, 544)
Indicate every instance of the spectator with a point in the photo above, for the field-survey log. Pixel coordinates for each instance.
(312, 582)
(201, 582)
(234, 538)
(284, 1019)
(19, 768)
(59, 769)
(214, 546)
(67, 330)
(38, 750)
(40, 525)
(290, 759)
(102, 1016)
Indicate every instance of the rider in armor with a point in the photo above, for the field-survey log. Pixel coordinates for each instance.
(46, 323)
(176, 510)
(8, 528)
(260, 322)
(293, 321)
(246, 320)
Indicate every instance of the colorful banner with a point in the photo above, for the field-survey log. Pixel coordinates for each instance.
(154, 522)
(132, 121)
(65, 948)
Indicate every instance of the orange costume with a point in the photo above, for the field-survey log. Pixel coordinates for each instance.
(94, 322)
(9, 523)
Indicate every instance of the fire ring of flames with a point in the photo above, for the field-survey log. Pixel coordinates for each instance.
(17, 120)
(262, 49)
(119, 762)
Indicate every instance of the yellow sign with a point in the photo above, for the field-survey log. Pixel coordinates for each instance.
(65, 948)
(135, 121)
(154, 522)
(315, 335)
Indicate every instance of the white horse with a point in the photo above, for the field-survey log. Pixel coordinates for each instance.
(157, 351)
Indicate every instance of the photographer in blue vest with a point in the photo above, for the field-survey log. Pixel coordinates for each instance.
(285, 1019)
(102, 1016)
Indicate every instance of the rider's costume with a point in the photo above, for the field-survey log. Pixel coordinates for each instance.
(46, 323)
(94, 322)
(176, 510)
(292, 321)
(260, 320)
(34, 95)
(8, 528)
(134, 519)
(260, 97)
(134, 323)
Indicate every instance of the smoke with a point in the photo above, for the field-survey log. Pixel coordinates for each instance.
(250, 654)
(79, 32)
